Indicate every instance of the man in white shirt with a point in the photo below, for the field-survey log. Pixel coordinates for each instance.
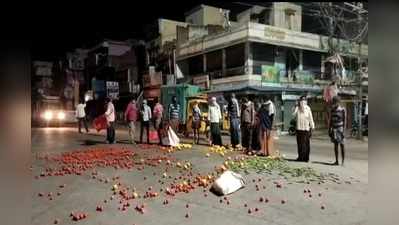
(145, 114)
(304, 127)
(272, 110)
(110, 115)
(215, 117)
(81, 116)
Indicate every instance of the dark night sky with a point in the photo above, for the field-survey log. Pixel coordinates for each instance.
(54, 42)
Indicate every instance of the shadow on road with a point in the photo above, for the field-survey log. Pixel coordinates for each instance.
(323, 163)
(291, 160)
(123, 142)
(95, 134)
(91, 142)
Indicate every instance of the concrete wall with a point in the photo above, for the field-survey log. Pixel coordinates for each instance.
(182, 34)
(281, 19)
(272, 35)
(236, 81)
(245, 16)
(205, 15)
(196, 17)
(168, 29)
(213, 16)
(197, 31)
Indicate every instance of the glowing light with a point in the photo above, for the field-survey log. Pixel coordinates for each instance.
(48, 115)
(61, 115)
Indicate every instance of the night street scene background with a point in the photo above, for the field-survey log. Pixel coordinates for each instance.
(204, 113)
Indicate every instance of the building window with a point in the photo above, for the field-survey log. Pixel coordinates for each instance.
(235, 60)
(312, 62)
(262, 54)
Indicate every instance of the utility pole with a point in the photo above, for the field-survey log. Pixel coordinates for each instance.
(360, 132)
(358, 8)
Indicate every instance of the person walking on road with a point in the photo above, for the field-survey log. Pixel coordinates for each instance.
(131, 118)
(304, 127)
(215, 117)
(196, 124)
(145, 113)
(158, 115)
(174, 114)
(81, 116)
(337, 128)
(247, 123)
(233, 110)
(110, 116)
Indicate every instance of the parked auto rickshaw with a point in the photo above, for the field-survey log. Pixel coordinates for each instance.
(204, 105)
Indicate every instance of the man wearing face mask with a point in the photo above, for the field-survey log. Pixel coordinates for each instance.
(215, 117)
(304, 127)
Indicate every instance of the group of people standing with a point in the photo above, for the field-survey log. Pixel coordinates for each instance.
(146, 115)
(305, 125)
(251, 123)
(248, 125)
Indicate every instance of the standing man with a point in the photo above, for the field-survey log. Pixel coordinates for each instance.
(272, 110)
(233, 110)
(304, 127)
(196, 123)
(131, 118)
(337, 127)
(174, 114)
(215, 117)
(158, 114)
(81, 116)
(110, 115)
(265, 127)
(247, 122)
(145, 112)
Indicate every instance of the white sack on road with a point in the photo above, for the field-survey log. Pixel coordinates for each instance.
(228, 183)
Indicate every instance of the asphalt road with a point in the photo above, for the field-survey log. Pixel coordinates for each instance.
(345, 202)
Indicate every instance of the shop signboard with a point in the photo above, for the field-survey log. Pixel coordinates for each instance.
(292, 97)
(303, 76)
(270, 74)
(202, 81)
(42, 68)
(112, 89)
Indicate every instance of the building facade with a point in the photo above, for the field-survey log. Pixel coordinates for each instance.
(264, 54)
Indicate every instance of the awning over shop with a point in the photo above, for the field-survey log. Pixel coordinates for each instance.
(263, 89)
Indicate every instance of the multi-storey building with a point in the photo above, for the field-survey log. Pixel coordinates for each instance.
(265, 54)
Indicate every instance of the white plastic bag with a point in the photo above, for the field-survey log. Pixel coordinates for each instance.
(228, 183)
(173, 139)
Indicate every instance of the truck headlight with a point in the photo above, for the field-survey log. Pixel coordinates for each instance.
(61, 115)
(48, 115)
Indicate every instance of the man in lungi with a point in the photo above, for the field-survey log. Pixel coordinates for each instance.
(337, 128)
